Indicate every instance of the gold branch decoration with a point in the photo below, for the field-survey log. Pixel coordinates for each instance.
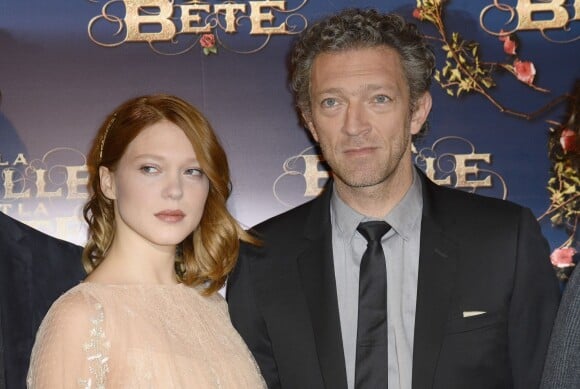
(465, 71)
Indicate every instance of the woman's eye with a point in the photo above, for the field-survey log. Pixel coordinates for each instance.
(195, 172)
(148, 169)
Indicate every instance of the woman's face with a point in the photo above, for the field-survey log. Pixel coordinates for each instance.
(158, 187)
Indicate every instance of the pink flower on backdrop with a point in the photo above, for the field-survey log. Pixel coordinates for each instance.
(207, 41)
(568, 140)
(418, 13)
(525, 71)
(509, 44)
(563, 257)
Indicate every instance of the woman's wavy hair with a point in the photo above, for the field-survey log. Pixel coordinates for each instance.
(356, 29)
(208, 254)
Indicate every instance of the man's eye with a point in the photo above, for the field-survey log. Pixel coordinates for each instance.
(329, 102)
(381, 99)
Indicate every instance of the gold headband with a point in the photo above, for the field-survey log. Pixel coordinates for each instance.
(111, 122)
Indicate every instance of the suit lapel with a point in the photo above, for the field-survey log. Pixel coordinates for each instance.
(316, 268)
(437, 266)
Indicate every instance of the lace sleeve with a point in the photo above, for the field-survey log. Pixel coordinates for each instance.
(71, 348)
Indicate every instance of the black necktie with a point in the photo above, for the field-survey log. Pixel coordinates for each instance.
(372, 337)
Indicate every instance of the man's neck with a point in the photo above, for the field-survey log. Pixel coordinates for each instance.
(377, 200)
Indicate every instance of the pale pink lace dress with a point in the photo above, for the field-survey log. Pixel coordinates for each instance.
(140, 336)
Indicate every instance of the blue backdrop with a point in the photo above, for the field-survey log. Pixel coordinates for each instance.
(62, 69)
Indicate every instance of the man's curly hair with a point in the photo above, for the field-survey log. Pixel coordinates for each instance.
(355, 29)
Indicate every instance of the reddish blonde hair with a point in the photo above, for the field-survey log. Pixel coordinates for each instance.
(209, 253)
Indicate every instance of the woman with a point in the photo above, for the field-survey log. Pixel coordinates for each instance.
(161, 243)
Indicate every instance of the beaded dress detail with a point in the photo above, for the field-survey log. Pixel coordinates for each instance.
(140, 336)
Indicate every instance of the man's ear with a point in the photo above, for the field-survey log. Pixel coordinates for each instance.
(310, 125)
(419, 115)
(107, 182)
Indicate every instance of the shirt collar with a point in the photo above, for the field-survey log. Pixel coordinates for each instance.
(403, 218)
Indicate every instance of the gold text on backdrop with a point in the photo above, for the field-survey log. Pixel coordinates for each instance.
(535, 15)
(154, 21)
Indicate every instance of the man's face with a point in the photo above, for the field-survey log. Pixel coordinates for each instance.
(361, 115)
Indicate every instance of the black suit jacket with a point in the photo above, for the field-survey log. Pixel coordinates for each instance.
(476, 254)
(35, 269)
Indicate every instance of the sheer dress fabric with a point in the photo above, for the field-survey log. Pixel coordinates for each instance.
(140, 336)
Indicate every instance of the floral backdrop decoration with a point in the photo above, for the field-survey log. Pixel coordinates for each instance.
(466, 71)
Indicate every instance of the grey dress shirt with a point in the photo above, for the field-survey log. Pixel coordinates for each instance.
(401, 246)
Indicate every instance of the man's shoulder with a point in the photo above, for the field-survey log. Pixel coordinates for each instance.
(451, 198)
(52, 263)
(15, 230)
(283, 234)
(290, 220)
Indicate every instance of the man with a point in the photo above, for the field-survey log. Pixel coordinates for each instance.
(469, 292)
(562, 369)
(35, 269)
